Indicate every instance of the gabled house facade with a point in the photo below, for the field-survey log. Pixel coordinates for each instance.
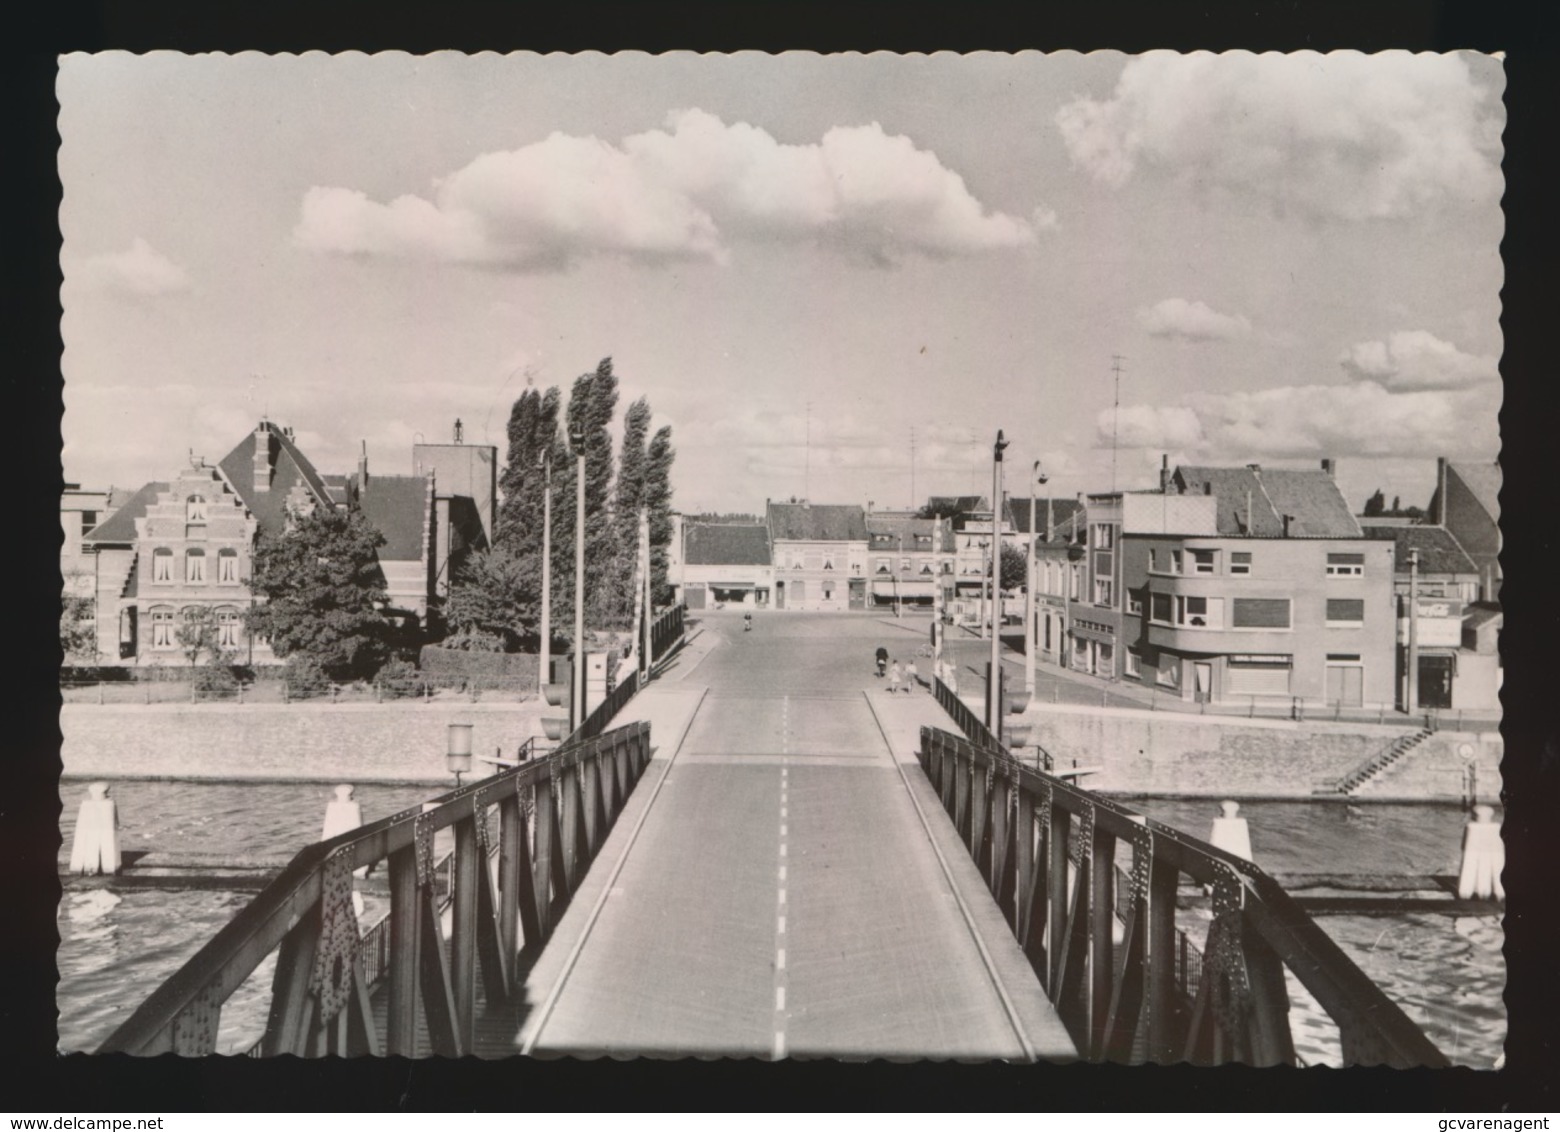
(187, 542)
(820, 555)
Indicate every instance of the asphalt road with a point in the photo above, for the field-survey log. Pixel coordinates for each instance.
(780, 896)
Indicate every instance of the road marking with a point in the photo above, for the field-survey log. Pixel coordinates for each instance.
(780, 959)
(782, 850)
(782, 896)
(782, 830)
(782, 872)
(779, 1045)
(781, 929)
(779, 998)
(782, 811)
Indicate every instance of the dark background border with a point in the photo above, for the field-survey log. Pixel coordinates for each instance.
(29, 805)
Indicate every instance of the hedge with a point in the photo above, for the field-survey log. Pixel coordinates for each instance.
(453, 667)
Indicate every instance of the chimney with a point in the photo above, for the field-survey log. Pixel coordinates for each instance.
(869, 507)
(1287, 520)
(1164, 474)
(1208, 487)
(262, 464)
(1439, 518)
(1330, 466)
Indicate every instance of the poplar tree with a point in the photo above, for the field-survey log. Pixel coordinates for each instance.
(658, 499)
(628, 499)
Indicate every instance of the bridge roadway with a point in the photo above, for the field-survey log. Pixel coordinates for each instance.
(783, 882)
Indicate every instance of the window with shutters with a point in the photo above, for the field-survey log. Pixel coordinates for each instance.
(1260, 613)
(1345, 612)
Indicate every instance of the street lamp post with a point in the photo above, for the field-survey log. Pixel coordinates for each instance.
(1030, 637)
(577, 700)
(544, 670)
(457, 755)
(994, 683)
(898, 565)
(1411, 697)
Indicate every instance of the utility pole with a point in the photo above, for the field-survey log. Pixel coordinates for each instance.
(544, 673)
(912, 467)
(1115, 417)
(1030, 636)
(578, 699)
(898, 565)
(994, 681)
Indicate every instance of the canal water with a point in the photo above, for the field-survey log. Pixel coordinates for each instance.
(117, 944)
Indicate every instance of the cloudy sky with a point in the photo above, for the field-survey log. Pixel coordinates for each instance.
(800, 260)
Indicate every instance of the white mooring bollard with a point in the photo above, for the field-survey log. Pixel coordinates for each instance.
(1483, 857)
(95, 848)
(343, 813)
(1230, 831)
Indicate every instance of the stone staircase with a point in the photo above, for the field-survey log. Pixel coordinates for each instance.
(1352, 782)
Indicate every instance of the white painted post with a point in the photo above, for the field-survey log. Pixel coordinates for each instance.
(94, 850)
(1230, 832)
(1483, 857)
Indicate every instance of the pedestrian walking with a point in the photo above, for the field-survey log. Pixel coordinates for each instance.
(893, 678)
(912, 677)
(882, 660)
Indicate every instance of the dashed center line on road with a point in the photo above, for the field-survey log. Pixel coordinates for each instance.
(778, 1050)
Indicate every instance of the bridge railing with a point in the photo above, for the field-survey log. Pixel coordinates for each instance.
(604, 712)
(1126, 981)
(666, 631)
(553, 816)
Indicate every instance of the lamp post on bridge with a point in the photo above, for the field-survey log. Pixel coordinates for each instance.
(994, 681)
(577, 700)
(1030, 639)
(544, 669)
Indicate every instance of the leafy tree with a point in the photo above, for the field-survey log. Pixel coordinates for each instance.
(955, 515)
(197, 632)
(658, 500)
(78, 632)
(533, 431)
(1013, 568)
(1376, 504)
(322, 592)
(496, 593)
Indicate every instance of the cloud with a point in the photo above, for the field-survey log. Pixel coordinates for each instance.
(1416, 359)
(142, 270)
(684, 192)
(1342, 135)
(1191, 322)
(1365, 418)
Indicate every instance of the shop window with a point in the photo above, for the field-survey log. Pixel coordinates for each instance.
(227, 566)
(1240, 562)
(195, 565)
(1345, 565)
(162, 564)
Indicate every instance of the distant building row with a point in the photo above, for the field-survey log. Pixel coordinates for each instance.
(144, 560)
(1222, 585)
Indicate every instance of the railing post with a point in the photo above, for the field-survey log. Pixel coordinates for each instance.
(463, 927)
(291, 1003)
(405, 955)
(1164, 1038)
(1057, 854)
(546, 823)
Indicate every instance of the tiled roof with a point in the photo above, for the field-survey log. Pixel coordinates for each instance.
(726, 544)
(1312, 498)
(338, 486)
(1483, 482)
(398, 507)
(120, 524)
(885, 531)
(1439, 552)
(291, 468)
(830, 522)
